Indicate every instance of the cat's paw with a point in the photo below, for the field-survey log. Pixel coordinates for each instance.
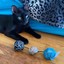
(37, 36)
(26, 41)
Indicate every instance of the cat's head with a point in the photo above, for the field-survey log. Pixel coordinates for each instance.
(21, 15)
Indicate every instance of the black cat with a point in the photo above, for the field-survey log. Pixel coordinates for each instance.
(11, 25)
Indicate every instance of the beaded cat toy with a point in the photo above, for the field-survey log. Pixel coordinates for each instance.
(48, 53)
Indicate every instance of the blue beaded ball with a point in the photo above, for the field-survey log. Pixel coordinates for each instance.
(49, 53)
(19, 45)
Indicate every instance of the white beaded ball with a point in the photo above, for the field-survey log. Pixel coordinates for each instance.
(33, 50)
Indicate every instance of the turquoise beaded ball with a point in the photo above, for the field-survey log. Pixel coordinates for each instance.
(49, 53)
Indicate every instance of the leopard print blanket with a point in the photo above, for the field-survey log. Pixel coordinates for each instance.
(49, 12)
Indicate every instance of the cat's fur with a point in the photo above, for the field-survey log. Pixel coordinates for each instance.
(11, 25)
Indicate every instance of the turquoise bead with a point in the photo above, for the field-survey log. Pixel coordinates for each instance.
(49, 53)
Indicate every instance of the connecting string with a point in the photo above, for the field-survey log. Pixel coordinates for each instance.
(26, 47)
(38, 51)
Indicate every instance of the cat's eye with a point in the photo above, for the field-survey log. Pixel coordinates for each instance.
(26, 16)
(19, 18)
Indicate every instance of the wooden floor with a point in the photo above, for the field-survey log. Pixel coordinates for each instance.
(9, 56)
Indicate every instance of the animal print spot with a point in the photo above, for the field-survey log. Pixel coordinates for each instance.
(38, 12)
(39, 21)
(31, 14)
(34, 16)
(35, 13)
(63, 14)
(41, 1)
(43, 14)
(62, 9)
(41, 5)
(34, 10)
(42, 9)
(42, 19)
(37, 7)
(63, 1)
(45, 4)
(38, 17)
(32, 2)
(63, 19)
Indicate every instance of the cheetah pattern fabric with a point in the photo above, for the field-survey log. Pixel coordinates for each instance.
(49, 12)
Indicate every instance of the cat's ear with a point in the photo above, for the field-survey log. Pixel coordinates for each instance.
(14, 9)
(26, 6)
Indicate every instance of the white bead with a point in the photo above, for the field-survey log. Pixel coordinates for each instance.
(33, 50)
